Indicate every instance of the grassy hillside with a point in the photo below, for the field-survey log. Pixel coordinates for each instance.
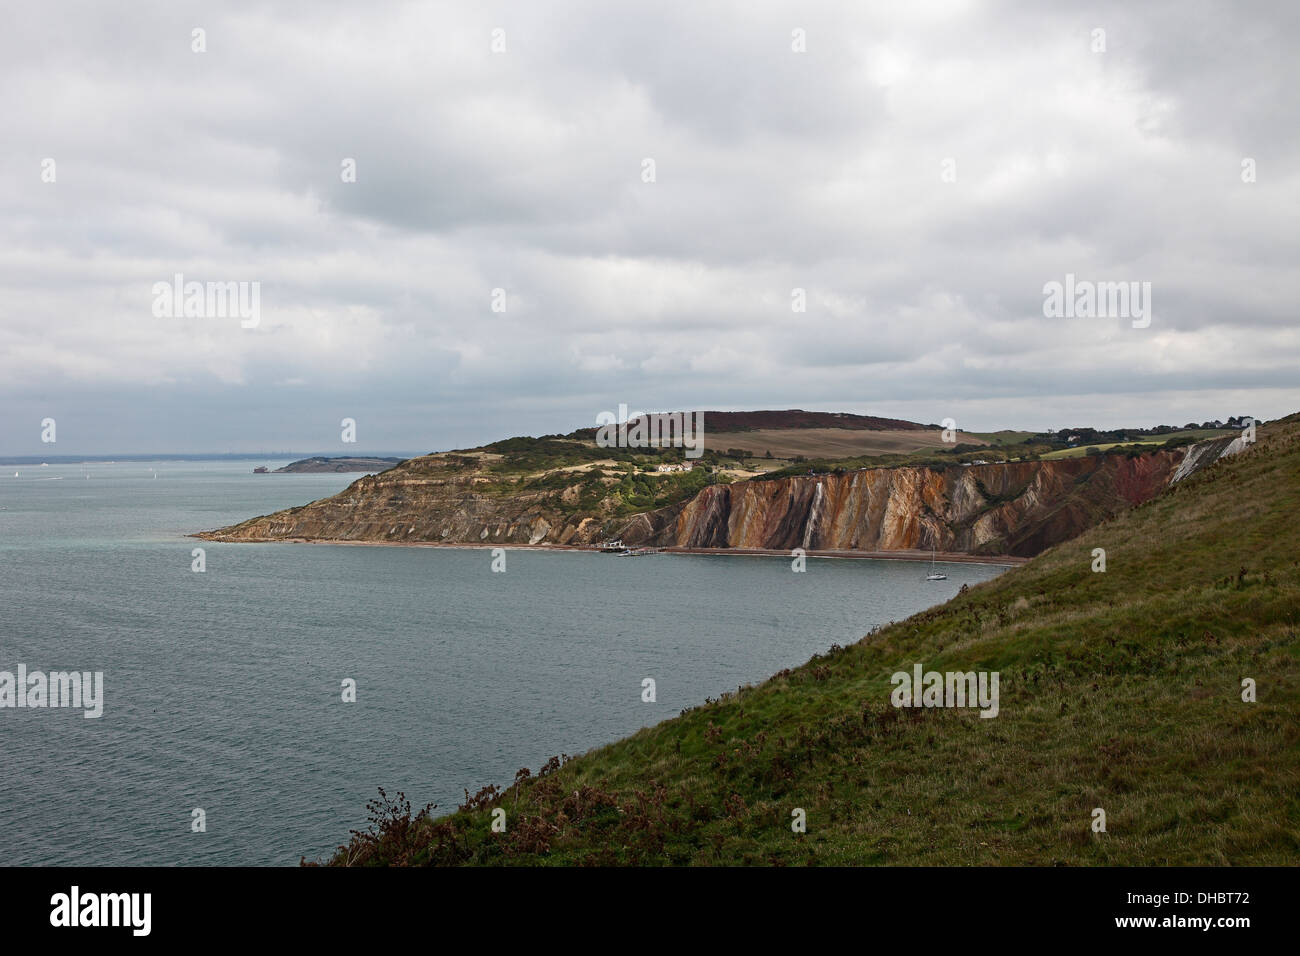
(1166, 441)
(1119, 690)
(834, 443)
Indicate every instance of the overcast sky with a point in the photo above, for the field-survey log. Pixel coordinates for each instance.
(523, 170)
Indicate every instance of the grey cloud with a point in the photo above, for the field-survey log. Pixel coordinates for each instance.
(521, 171)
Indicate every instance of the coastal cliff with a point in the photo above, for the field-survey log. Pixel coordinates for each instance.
(1129, 688)
(1015, 508)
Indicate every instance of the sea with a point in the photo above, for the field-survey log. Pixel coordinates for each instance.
(226, 691)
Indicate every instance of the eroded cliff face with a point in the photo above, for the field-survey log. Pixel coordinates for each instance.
(1017, 508)
(1206, 453)
(411, 503)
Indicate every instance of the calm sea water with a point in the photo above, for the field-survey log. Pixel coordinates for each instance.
(222, 689)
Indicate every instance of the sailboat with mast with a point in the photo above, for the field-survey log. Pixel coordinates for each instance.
(935, 574)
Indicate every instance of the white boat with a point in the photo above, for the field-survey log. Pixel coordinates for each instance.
(935, 574)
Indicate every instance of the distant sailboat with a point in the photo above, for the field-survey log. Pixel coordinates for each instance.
(935, 574)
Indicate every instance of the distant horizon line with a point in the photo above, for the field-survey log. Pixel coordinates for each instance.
(194, 456)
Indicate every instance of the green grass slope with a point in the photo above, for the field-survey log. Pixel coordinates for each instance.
(1120, 690)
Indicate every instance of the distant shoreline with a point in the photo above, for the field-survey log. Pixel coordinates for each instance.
(946, 557)
(288, 457)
